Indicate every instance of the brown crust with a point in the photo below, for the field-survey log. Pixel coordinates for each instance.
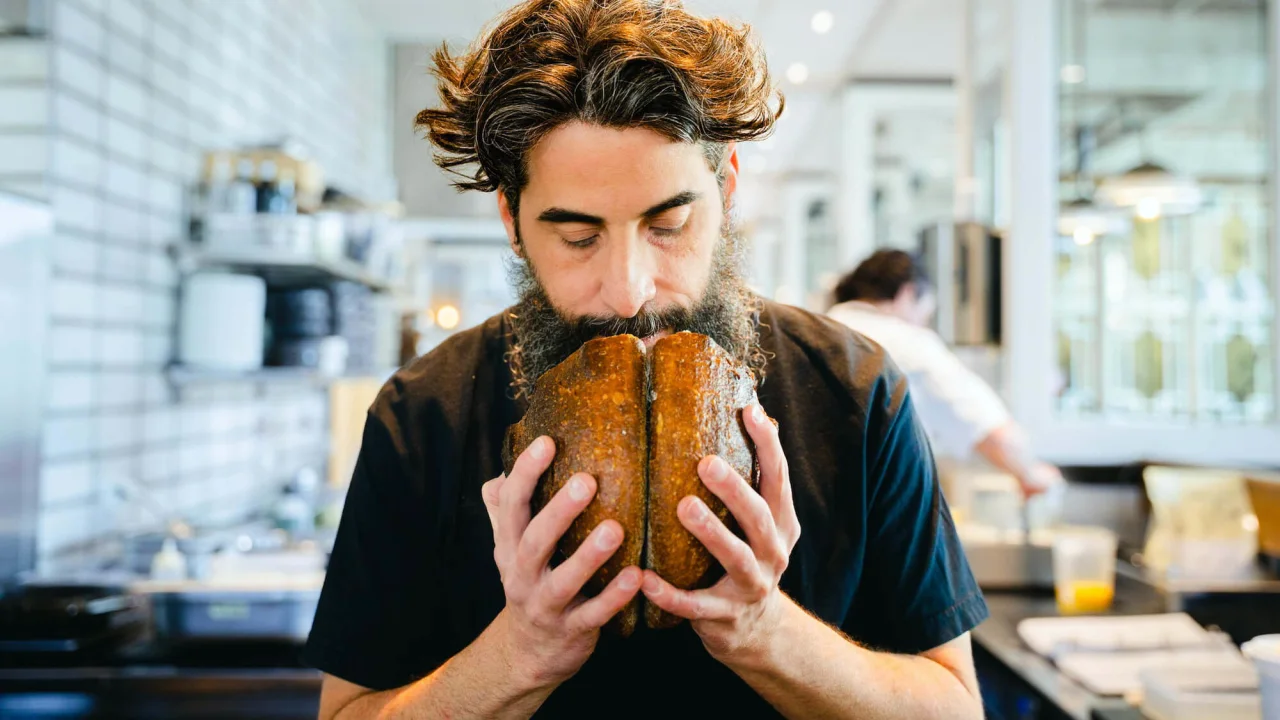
(695, 410)
(592, 406)
(640, 424)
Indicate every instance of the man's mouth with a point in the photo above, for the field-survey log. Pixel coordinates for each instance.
(650, 340)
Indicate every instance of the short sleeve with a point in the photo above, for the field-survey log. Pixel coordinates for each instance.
(956, 406)
(373, 624)
(916, 591)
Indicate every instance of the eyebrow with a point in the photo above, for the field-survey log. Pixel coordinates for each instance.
(562, 215)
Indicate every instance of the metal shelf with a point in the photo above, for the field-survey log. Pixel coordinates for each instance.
(279, 267)
(181, 376)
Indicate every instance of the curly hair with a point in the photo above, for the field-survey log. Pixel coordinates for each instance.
(616, 63)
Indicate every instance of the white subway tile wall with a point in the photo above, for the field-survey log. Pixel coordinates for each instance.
(108, 120)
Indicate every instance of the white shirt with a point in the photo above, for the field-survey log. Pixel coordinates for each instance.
(957, 408)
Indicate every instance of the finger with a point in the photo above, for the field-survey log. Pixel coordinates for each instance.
(489, 492)
(565, 582)
(513, 511)
(594, 613)
(748, 507)
(688, 604)
(775, 477)
(545, 530)
(738, 559)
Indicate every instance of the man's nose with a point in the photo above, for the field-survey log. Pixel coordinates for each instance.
(628, 283)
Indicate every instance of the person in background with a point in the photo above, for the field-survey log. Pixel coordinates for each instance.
(890, 299)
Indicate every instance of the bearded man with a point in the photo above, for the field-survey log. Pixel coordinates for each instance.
(608, 130)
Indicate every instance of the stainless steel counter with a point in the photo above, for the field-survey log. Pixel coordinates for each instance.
(998, 636)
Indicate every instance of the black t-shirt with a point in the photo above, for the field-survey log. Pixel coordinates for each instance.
(412, 580)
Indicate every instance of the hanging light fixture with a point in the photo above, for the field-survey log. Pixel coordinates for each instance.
(1084, 222)
(1151, 191)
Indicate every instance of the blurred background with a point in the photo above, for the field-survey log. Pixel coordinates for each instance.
(220, 234)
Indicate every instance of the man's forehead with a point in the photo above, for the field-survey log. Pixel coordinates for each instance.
(586, 164)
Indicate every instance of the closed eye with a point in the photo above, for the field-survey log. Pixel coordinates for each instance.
(581, 244)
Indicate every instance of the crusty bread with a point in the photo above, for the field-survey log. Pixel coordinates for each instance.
(592, 405)
(696, 402)
(640, 424)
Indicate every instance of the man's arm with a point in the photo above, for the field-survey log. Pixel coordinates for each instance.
(482, 681)
(810, 670)
(964, 413)
(547, 629)
(1008, 448)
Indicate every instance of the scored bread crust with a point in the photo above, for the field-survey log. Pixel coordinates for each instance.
(640, 425)
(697, 397)
(592, 406)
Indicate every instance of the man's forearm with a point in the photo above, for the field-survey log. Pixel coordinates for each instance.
(813, 671)
(482, 681)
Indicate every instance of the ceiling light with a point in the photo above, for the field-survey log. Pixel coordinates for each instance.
(1072, 74)
(822, 22)
(1150, 191)
(1147, 209)
(797, 73)
(1081, 219)
(447, 317)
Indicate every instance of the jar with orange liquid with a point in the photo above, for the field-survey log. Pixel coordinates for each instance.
(1084, 569)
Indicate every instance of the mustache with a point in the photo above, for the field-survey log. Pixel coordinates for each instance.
(646, 322)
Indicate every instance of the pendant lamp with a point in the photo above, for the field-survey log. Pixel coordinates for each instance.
(1151, 191)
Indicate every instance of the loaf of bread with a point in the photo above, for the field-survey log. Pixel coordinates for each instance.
(639, 422)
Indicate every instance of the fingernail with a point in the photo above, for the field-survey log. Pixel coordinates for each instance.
(651, 585)
(606, 537)
(695, 509)
(578, 490)
(541, 448)
(716, 468)
(757, 413)
(629, 581)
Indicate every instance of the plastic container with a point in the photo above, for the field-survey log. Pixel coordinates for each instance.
(1084, 569)
(1264, 651)
(1200, 693)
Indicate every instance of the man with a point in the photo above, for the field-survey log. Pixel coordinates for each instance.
(608, 130)
(889, 298)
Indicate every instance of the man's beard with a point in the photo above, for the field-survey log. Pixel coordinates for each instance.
(542, 338)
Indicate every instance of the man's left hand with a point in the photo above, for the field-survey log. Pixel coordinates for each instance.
(735, 616)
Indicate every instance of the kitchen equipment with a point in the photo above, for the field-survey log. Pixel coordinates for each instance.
(300, 313)
(1264, 651)
(222, 321)
(1007, 541)
(964, 259)
(55, 618)
(1084, 569)
(1200, 693)
(262, 601)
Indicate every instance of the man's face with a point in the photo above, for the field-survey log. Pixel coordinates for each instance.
(623, 231)
(613, 221)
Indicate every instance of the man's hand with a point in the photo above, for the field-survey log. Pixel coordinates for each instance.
(552, 629)
(735, 616)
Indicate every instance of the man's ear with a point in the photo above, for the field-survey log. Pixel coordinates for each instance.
(729, 166)
(509, 222)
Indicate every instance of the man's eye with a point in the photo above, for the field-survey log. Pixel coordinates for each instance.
(583, 243)
(666, 231)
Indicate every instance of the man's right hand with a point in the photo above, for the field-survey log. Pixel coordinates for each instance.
(551, 628)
